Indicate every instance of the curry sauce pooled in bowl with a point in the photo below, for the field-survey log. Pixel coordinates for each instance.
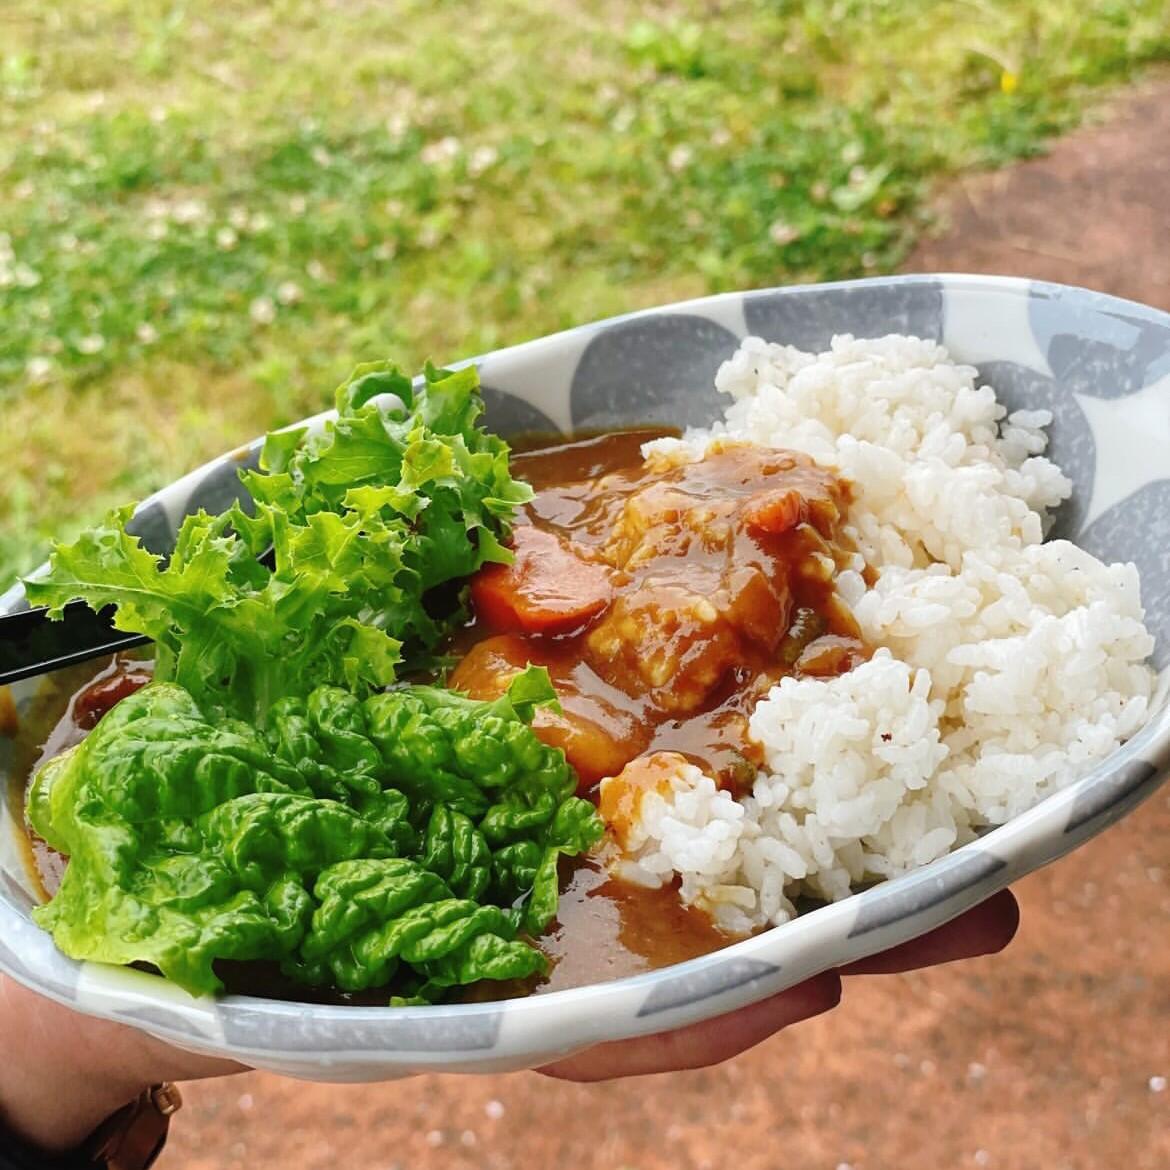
(491, 726)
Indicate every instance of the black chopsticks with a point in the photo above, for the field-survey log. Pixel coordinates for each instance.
(32, 644)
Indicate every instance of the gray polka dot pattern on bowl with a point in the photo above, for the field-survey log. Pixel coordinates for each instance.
(508, 415)
(1138, 530)
(809, 317)
(886, 904)
(651, 369)
(221, 487)
(152, 526)
(707, 979)
(1113, 795)
(1070, 439)
(444, 1032)
(1096, 344)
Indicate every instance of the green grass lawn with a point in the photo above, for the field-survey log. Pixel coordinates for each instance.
(210, 211)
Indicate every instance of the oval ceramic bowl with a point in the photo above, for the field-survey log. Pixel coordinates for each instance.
(1101, 365)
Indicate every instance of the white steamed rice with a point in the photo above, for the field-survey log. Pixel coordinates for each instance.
(1006, 667)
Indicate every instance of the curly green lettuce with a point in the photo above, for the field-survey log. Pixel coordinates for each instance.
(356, 842)
(339, 569)
(375, 916)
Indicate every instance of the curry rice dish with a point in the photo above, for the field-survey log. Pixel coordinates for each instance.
(817, 645)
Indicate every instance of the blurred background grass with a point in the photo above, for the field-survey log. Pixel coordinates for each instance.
(210, 211)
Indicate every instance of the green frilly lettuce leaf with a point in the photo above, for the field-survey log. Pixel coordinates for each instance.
(365, 524)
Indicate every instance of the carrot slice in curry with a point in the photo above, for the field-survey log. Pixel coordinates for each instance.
(547, 589)
(776, 512)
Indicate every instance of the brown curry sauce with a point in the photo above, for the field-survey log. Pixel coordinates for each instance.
(664, 599)
(720, 577)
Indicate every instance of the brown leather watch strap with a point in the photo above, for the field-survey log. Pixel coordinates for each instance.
(133, 1138)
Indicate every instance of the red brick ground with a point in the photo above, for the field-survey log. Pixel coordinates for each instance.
(1045, 1057)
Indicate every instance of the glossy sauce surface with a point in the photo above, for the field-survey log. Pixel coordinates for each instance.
(607, 929)
(663, 598)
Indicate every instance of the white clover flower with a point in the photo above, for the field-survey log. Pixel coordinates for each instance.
(146, 333)
(288, 292)
(188, 211)
(623, 119)
(226, 238)
(429, 236)
(680, 158)
(442, 151)
(25, 277)
(157, 229)
(321, 156)
(482, 157)
(386, 250)
(38, 369)
(92, 343)
(781, 233)
(397, 124)
(260, 222)
(315, 270)
(297, 205)
(25, 189)
(238, 217)
(851, 152)
(394, 208)
(720, 136)
(262, 310)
